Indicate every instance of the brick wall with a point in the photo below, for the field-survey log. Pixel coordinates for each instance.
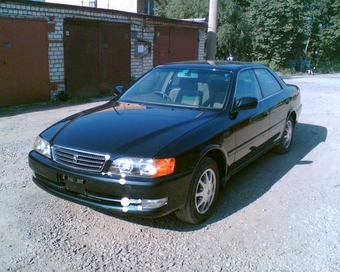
(55, 14)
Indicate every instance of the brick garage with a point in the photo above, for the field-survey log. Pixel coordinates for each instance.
(37, 85)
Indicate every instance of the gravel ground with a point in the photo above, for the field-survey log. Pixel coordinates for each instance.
(282, 213)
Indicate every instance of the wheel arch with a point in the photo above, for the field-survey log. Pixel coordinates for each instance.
(219, 157)
(292, 113)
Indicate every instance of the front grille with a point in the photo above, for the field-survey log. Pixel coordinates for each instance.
(79, 159)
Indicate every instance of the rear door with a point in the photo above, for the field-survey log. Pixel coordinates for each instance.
(277, 100)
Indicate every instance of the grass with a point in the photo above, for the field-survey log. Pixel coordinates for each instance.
(326, 67)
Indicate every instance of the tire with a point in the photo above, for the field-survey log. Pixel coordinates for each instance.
(287, 137)
(203, 193)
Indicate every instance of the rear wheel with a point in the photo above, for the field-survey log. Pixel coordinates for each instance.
(287, 137)
(203, 193)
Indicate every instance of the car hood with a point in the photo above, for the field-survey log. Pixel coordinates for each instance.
(126, 128)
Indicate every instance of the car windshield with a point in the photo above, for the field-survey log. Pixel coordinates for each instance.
(193, 88)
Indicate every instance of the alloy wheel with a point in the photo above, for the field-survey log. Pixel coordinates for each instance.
(205, 191)
(288, 133)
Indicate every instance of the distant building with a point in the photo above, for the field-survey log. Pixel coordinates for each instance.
(135, 6)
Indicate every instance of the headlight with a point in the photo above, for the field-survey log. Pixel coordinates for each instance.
(42, 146)
(143, 167)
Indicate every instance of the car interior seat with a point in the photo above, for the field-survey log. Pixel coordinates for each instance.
(187, 93)
(219, 100)
(218, 90)
(204, 88)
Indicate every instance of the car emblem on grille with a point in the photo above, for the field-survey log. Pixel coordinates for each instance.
(75, 158)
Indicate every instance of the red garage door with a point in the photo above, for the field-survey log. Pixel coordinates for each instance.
(97, 57)
(24, 74)
(175, 44)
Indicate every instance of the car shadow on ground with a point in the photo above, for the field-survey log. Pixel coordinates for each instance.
(249, 184)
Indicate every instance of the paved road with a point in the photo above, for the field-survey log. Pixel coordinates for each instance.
(282, 213)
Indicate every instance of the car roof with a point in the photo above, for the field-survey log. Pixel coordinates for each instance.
(233, 66)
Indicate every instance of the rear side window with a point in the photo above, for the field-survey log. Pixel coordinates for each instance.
(268, 82)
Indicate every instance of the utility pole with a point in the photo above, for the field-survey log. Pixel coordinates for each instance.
(212, 30)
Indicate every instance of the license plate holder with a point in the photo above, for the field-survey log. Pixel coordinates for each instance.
(74, 184)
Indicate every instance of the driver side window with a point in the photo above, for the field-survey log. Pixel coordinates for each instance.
(247, 85)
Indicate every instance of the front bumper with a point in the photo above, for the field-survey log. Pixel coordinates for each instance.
(143, 197)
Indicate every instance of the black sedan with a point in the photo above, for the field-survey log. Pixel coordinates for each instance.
(169, 142)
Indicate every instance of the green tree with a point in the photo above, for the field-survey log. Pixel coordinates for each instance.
(316, 15)
(183, 9)
(266, 30)
(234, 30)
(329, 45)
(277, 30)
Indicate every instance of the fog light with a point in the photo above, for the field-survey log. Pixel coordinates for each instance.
(154, 203)
(125, 202)
(122, 181)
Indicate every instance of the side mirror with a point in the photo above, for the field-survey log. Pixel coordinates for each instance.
(244, 103)
(119, 90)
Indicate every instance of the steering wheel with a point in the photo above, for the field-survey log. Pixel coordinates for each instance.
(163, 95)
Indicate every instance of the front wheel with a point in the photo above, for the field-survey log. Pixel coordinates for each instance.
(203, 193)
(287, 137)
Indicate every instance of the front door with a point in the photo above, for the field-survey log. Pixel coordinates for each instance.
(251, 125)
